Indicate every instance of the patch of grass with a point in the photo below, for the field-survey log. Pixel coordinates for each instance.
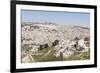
(85, 55)
(79, 56)
(47, 57)
(44, 50)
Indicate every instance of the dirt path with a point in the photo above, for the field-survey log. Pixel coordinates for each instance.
(31, 58)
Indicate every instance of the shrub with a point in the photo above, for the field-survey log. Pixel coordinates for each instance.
(86, 39)
(56, 42)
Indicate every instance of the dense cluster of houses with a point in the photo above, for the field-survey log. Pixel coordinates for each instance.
(35, 38)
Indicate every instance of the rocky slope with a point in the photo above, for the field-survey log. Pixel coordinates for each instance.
(62, 40)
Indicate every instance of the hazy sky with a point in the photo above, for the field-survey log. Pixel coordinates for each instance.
(62, 18)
